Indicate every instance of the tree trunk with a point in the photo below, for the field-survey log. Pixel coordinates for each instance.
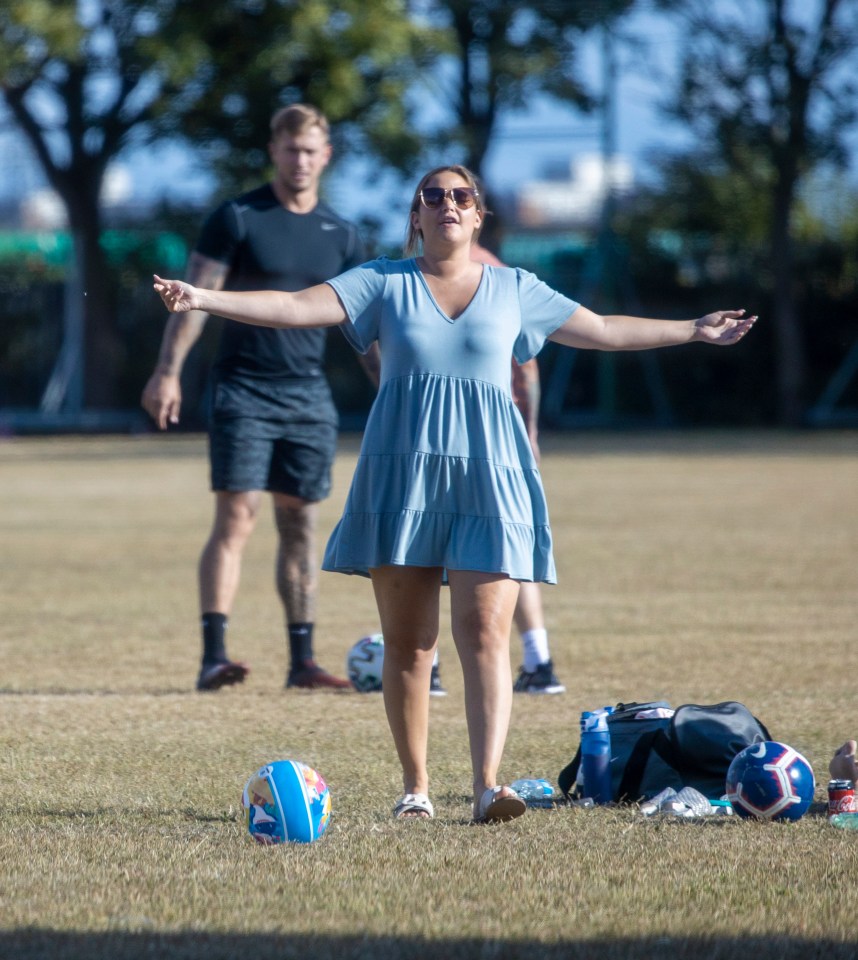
(789, 344)
(103, 350)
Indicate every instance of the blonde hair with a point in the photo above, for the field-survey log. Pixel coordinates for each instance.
(413, 236)
(297, 118)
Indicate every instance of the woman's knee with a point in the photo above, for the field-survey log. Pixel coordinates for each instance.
(485, 630)
(411, 646)
(484, 644)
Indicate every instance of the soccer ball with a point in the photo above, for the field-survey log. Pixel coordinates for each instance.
(286, 801)
(364, 663)
(770, 781)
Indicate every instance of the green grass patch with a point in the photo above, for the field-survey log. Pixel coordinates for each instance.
(693, 567)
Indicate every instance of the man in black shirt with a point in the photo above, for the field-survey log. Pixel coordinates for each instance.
(273, 424)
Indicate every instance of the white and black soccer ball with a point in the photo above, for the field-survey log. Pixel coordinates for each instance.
(364, 663)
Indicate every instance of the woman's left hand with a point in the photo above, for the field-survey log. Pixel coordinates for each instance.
(723, 327)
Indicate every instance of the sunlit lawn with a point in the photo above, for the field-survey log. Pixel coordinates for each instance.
(693, 567)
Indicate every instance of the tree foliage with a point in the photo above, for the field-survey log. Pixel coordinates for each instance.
(354, 59)
(769, 89)
(84, 79)
(502, 53)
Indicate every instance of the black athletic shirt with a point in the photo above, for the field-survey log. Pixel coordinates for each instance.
(267, 247)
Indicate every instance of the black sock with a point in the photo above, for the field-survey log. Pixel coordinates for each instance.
(300, 642)
(214, 637)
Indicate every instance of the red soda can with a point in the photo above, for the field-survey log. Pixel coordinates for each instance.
(841, 797)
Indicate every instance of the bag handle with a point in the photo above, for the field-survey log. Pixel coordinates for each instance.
(569, 775)
(655, 741)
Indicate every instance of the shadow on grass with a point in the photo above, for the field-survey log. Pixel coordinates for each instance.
(41, 944)
(89, 692)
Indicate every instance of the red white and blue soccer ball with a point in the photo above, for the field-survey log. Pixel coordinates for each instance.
(364, 663)
(770, 781)
(286, 801)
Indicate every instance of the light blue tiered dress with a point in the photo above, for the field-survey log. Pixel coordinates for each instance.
(446, 476)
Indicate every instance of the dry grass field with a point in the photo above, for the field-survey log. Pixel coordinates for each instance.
(693, 567)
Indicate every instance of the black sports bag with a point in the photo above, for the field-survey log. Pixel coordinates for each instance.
(693, 748)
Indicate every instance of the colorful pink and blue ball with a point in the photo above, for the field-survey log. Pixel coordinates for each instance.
(286, 802)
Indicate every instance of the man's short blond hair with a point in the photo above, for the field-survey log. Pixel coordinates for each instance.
(297, 118)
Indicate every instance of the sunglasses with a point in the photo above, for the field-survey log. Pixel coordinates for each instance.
(463, 197)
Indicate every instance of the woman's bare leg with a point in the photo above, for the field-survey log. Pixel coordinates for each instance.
(407, 600)
(482, 608)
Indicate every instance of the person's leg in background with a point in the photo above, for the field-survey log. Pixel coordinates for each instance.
(296, 574)
(537, 671)
(219, 574)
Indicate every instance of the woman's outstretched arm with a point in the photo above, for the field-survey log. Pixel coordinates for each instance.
(590, 331)
(317, 306)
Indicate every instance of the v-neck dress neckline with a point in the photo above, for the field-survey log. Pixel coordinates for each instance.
(428, 289)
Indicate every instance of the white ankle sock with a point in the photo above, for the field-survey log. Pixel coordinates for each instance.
(535, 644)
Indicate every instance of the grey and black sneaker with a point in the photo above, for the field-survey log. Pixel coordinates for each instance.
(435, 688)
(541, 680)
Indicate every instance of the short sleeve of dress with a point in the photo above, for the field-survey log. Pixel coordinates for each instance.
(360, 290)
(543, 310)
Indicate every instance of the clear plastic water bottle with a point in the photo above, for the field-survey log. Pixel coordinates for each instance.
(535, 793)
(844, 821)
(596, 755)
(652, 806)
(693, 803)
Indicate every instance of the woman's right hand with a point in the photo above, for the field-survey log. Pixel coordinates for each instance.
(178, 296)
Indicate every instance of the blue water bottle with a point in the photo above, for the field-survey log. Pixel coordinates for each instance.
(596, 755)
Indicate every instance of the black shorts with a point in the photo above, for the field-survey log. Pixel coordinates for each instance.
(277, 438)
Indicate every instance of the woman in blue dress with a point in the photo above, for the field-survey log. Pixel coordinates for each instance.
(446, 489)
